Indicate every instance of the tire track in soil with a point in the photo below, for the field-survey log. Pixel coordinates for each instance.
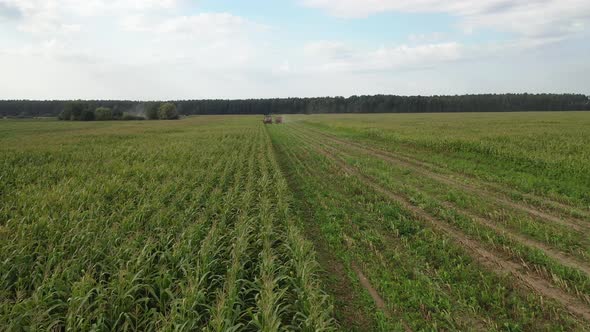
(560, 257)
(486, 258)
(557, 255)
(379, 302)
(420, 168)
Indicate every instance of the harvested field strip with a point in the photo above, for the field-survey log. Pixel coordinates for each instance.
(342, 146)
(351, 325)
(351, 311)
(425, 169)
(504, 155)
(561, 237)
(411, 270)
(578, 219)
(483, 256)
(355, 267)
(541, 237)
(569, 278)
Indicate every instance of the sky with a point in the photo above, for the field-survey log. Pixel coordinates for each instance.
(202, 49)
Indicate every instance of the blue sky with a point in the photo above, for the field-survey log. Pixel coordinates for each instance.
(181, 49)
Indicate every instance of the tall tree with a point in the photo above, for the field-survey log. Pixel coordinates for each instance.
(167, 111)
(103, 114)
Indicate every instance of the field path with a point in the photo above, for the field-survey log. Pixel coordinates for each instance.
(421, 168)
(485, 257)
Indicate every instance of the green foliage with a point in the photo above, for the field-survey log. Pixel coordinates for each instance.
(428, 280)
(75, 111)
(117, 113)
(65, 114)
(80, 111)
(100, 229)
(354, 104)
(87, 115)
(151, 112)
(536, 153)
(167, 111)
(103, 114)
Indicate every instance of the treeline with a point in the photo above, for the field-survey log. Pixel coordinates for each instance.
(354, 104)
(82, 111)
(392, 104)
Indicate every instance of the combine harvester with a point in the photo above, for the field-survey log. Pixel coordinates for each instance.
(268, 119)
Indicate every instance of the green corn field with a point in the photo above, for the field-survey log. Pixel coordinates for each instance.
(174, 227)
(397, 222)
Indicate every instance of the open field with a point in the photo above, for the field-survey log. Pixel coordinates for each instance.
(328, 222)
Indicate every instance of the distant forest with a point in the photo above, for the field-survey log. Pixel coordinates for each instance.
(354, 104)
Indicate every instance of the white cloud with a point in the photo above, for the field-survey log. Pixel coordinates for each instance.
(336, 57)
(203, 26)
(54, 50)
(426, 37)
(204, 40)
(531, 18)
(148, 49)
(87, 7)
(135, 23)
(327, 49)
(207, 40)
(283, 68)
(66, 16)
